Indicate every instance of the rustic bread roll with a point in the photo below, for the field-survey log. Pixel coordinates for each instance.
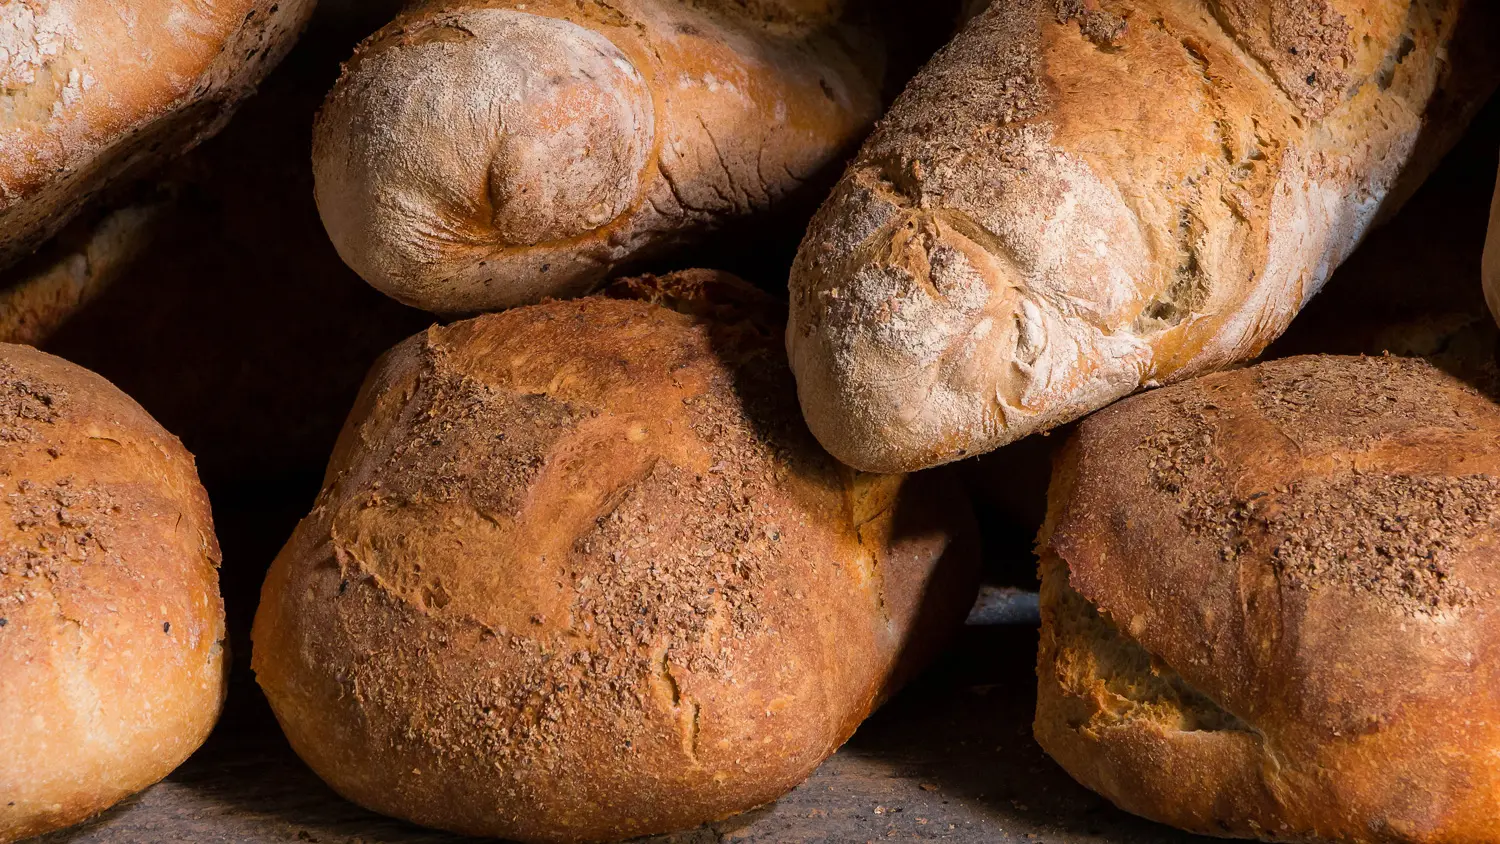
(111, 627)
(1270, 606)
(1134, 191)
(579, 573)
(479, 154)
(98, 91)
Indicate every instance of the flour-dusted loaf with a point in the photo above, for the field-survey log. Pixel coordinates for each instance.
(112, 662)
(1077, 199)
(579, 573)
(479, 154)
(1271, 604)
(97, 92)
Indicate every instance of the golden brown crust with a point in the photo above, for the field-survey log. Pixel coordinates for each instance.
(1269, 603)
(580, 573)
(98, 91)
(1135, 192)
(112, 663)
(479, 154)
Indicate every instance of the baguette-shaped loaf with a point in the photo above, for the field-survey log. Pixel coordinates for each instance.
(1133, 192)
(479, 154)
(99, 91)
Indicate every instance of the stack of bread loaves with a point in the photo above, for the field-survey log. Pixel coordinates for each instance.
(621, 556)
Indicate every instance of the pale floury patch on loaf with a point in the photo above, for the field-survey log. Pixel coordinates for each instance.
(1132, 193)
(479, 155)
(494, 127)
(32, 35)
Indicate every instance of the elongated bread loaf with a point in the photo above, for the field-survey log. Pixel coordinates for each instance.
(1132, 192)
(479, 154)
(99, 91)
(580, 573)
(1271, 605)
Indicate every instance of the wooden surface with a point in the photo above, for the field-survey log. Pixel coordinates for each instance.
(950, 759)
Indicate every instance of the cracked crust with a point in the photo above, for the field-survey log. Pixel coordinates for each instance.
(97, 92)
(580, 573)
(112, 663)
(1269, 604)
(475, 156)
(1135, 192)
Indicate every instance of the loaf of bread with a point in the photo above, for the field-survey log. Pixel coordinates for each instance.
(479, 154)
(580, 573)
(99, 91)
(112, 661)
(40, 294)
(1271, 604)
(1077, 199)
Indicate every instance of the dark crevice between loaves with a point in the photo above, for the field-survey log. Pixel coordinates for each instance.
(1097, 661)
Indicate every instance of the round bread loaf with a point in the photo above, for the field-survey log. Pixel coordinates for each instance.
(579, 572)
(112, 664)
(1269, 604)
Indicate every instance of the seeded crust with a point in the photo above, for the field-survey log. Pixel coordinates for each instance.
(97, 92)
(580, 573)
(112, 663)
(1133, 192)
(480, 154)
(1269, 604)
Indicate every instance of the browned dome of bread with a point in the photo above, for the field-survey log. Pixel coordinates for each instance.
(1269, 604)
(111, 627)
(98, 91)
(579, 572)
